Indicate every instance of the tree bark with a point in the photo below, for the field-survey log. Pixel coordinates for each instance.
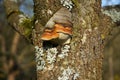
(82, 58)
(17, 19)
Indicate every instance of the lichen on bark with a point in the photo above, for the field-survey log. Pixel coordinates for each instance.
(85, 55)
(18, 20)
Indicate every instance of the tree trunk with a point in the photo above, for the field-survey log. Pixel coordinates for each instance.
(82, 58)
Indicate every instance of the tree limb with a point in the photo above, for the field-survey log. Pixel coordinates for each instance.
(113, 12)
(17, 19)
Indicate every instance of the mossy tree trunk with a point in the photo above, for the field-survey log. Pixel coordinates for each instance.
(82, 58)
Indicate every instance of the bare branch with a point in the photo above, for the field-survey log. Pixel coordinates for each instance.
(113, 12)
(17, 19)
(3, 47)
(15, 43)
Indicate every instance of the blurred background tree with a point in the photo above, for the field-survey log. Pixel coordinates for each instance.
(111, 62)
(17, 56)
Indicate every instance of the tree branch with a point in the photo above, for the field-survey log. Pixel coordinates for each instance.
(15, 43)
(3, 46)
(113, 12)
(17, 19)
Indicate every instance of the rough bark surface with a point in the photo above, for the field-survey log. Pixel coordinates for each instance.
(82, 58)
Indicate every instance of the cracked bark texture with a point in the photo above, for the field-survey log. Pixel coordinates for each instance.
(90, 28)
